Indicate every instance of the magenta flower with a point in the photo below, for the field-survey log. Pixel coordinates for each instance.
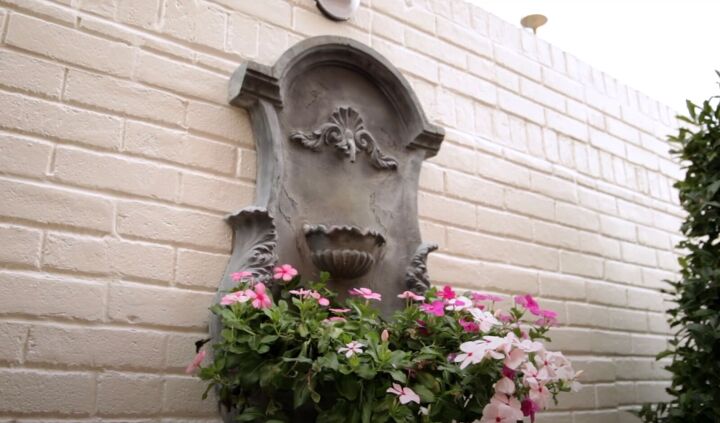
(529, 303)
(405, 394)
(409, 295)
(238, 276)
(508, 372)
(285, 272)
(476, 296)
(436, 307)
(469, 326)
(529, 408)
(422, 328)
(196, 362)
(447, 293)
(365, 293)
(339, 310)
(259, 296)
(547, 318)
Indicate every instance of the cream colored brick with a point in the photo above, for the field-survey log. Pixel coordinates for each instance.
(566, 125)
(468, 85)
(628, 320)
(242, 35)
(116, 390)
(581, 264)
(183, 395)
(181, 78)
(433, 47)
(583, 399)
(642, 157)
(634, 212)
(50, 205)
(75, 254)
(413, 15)
(658, 323)
(215, 194)
(594, 369)
(42, 391)
(446, 210)
(199, 269)
(648, 345)
(637, 254)
(388, 27)
(510, 278)
(583, 314)
(142, 13)
(91, 347)
(29, 74)
(55, 297)
(195, 21)
(226, 122)
(432, 178)
(277, 12)
(66, 45)
(59, 121)
(623, 272)
(652, 392)
(666, 222)
(445, 269)
(23, 156)
(597, 201)
(179, 351)
(563, 84)
(170, 307)
(103, 172)
(408, 60)
(123, 97)
(473, 189)
(611, 343)
(655, 278)
(554, 187)
(517, 62)
(272, 43)
(433, 232)
(463, 37)
(521, 106)
(599, 245)
(153, 222)
(457, 158)
(623, 130)
(645, 299)
(20, 246)
(314, 24)
(600, 416)
(100, 7)
(562, 286)
(140, 260)
(577, 216)
(503, 171)
(617, 228)
(482, 67)
(529, 203)
(607, 293)
(12, 342)
(247, 165)
(502, 223)
(178, 147)
(541, 94)
(509, 80)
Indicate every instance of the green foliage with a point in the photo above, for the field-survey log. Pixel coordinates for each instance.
(287, 362)
(695, 348)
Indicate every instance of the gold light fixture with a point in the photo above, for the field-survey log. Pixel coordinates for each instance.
(533, 22)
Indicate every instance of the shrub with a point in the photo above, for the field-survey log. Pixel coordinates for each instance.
(303, 356)
(695, 347)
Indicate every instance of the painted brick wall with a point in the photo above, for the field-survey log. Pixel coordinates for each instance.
(119, 158)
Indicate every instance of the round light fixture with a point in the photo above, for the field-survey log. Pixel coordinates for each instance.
(338, 10)
(533, 22)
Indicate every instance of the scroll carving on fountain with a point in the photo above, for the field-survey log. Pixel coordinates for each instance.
(340, 139)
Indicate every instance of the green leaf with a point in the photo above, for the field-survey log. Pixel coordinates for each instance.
(398, 375)
(424, 393)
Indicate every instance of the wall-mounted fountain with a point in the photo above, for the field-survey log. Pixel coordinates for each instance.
(340, 141)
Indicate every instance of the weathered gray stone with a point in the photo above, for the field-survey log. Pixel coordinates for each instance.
(340, 141)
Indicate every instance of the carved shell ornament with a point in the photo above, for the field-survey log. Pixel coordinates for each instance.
(346, 131)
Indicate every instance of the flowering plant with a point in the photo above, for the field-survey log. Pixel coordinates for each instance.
(299, 355)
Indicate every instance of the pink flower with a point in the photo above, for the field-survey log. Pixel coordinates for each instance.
(365, 293)
(334, 319)
(505, 386)
(447, 293)
(409, 295)
(234, 297)
(339, 310)
(259, 297)
(458, 303)
(529, 303)
(547, 318)
(529, 408)
(351, 348)
(497, 412)
(195, 363)
(302, 293)
(405, 394)
(385, 335)
(476, 296)
(309, 293)
(540, 395)
(238, 276)
(504, 317)
(285, 272)
(436, 307)
(514, 358)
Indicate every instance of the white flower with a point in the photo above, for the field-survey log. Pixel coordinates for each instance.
(458, 303)
(351, 348)
(406, 395)
(484, 319)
